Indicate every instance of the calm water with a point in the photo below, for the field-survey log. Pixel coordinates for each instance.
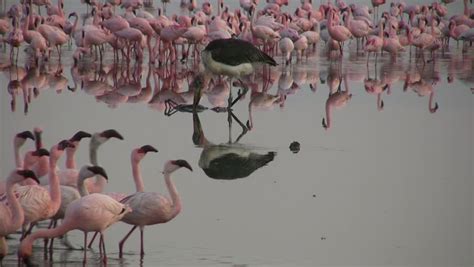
(387, 185)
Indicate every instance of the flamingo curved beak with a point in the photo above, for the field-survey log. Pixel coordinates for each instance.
(111, 133)
(183, 163)
(147, 148)
(99, 171)
(28, 174)
(26, 135)
(79, 136)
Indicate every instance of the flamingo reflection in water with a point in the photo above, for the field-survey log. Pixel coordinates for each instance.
(337, 99)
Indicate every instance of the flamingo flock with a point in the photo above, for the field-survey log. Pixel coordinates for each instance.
(135, 29)
(29, 202)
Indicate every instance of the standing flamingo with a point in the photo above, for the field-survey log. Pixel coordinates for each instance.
(338, 33)
(12, 214)
(374, 43)
(69, 194)
(149, 208)
(286, 46)
(38, 202)
(91, 213)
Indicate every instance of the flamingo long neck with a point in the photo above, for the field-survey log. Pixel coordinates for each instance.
(60, 8)
(173, 194)
(15, 208)
(137, 176)
(99, 184)
(71, 157)
(18, 160)
(381, 31)
(81, 187)
(54, 188)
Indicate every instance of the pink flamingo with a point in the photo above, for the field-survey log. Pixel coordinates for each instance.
(300, 46)
(14, 39)
(69, 194)
(149, 208)
(374, 43)
(12, 214)
(338, 33)
(38, 202)
(286, 47)
(91, 213)
(358, 28)
(137, 155)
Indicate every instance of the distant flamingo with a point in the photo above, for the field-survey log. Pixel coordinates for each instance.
(286, 47)
(12, 214)
(374, 43)
(338, 33)
(149, 208)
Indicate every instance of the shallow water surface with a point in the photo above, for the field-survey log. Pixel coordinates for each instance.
(384, 179)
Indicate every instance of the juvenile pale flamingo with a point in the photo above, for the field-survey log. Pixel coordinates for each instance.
(12, 214)
(286, 46)
(149, 208)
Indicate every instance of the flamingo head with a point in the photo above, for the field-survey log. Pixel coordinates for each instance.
(139, 153)
(40, 152)
(111, 133)
(88, 171)
(77, 137)
(21, 175)
(20, 138)
(173, 165)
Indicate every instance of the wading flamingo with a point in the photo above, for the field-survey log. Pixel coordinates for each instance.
(12, 214)
(149, 208)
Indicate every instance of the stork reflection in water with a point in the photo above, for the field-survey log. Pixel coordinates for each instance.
(231, 160)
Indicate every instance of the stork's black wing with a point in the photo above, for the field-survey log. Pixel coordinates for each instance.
(234, 52)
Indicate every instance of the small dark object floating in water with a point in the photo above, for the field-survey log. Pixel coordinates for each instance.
(295, 147)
